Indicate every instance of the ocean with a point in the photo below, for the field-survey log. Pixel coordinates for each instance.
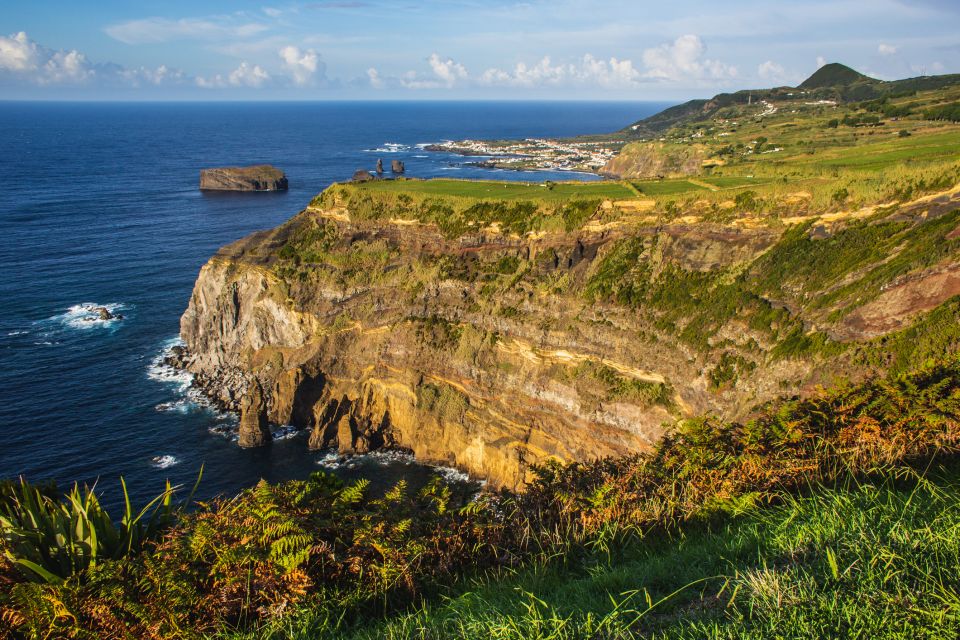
(100, 207)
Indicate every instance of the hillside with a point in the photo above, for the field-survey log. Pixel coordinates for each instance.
(834, 74)
(833, 81)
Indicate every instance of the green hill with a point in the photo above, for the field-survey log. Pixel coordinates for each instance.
(834, 75)
(833, 81)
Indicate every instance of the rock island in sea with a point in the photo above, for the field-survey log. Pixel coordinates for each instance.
(262, 177)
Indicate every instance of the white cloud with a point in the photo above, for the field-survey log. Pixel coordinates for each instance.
(682, 60)
(160, 76)
(248, 76)
(245, 75)
(448, 71)
(26, 60)
(445, 74)
(18, 53)
(771, 71)
(821, 61)
(154, 30)
(887, 49)
(375, 80)
(590, 71)
(303, 66)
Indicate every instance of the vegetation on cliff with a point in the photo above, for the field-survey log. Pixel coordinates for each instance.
(318, 557)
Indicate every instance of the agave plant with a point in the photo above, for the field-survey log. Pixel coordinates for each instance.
(51, 539)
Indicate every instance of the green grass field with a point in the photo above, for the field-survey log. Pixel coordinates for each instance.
(511, 191)
(666, 187)
(733, 182)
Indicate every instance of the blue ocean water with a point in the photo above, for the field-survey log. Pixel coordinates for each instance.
(99, 206)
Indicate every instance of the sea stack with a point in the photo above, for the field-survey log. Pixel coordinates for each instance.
(254, 428)
(261, 177)
(379, 165)
(397, 166)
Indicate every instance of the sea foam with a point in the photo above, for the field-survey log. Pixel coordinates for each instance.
(163, 462)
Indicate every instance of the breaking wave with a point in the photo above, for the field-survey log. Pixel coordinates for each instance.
(163, 462)
(87, 316)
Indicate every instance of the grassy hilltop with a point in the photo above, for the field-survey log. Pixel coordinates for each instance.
(773, 326)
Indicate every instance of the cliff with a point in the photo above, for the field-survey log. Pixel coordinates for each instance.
(480, 339)
(256, 178)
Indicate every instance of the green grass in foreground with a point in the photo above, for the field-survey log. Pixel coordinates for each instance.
(486, 189)
(878, 559)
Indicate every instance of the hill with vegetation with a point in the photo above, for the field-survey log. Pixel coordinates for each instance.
(722, 400)
(833, 81)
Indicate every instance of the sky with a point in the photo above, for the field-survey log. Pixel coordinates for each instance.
(457, 49)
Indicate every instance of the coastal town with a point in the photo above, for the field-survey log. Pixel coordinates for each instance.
(534, 153)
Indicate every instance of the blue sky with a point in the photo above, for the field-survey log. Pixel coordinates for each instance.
(458, 49)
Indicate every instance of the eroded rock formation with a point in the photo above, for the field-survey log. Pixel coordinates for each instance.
(490, 350)
(256, 178)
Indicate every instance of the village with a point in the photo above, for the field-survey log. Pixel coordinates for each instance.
(534, 153)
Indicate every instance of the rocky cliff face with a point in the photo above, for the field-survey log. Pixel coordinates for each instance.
(257, 178)
(490, 351)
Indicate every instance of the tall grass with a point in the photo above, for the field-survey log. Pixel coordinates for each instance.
(861, 558)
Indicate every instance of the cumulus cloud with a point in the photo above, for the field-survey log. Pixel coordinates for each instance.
(771, 71)
(245, 75)
(303, 66)
(683, 60)
(155, 30)
(612, 73)
(445, 73)
(25, 60)
(887, 49)
(821, 61)
(146, 76)
(375, 80)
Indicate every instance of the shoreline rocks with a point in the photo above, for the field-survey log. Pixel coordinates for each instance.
(261, 177)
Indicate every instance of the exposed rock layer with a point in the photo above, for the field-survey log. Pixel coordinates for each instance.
(485, 351)
(256, 178)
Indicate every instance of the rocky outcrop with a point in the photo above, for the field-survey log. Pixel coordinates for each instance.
(256, 178)
(396, 166)
(254, 426)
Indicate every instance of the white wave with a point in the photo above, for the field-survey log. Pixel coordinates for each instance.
(228, 430)
(421, 156)
(17, 333)
(334, 460)
(452, 475)
(390, 147)
(188, 399)
(449, 168)
(286, 432)
(163, 462)
(159, 371)
(86, 315)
